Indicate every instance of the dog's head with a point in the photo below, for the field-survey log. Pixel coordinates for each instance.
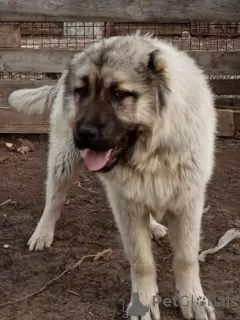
(111, 95)
(113, 92)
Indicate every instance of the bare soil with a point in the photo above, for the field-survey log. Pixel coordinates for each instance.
(101, 289)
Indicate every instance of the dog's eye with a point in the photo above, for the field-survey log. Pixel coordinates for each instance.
(121, 95)
(81, 93)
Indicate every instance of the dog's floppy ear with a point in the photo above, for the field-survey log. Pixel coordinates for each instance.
(158, 67)
(156, 62)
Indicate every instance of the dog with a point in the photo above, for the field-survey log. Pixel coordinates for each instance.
(140, 114)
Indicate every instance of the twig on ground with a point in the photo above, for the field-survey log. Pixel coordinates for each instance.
(95, 257)
(5, 202)
(73, 292)
(79, 185)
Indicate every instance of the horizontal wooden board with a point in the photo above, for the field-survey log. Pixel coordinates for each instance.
(232, 103)
(8, 86)
(225, 86)
(14, 123)
(11, 122)
(10, 36)
(32, 60)
(124, 10)
(218, 63)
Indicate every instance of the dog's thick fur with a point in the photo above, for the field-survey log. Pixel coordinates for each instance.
(165, 171)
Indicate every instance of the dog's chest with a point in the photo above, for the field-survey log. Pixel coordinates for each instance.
(150, 189)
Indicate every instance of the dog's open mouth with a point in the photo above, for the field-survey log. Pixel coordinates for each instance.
(98, 160)
(105, 160)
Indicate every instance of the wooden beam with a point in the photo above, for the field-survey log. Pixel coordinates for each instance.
(10, 36)
(218, 63)
(32, 60)
(14, 123)
(231, 103)
(122, 10)
(225, 86)
(8, 86)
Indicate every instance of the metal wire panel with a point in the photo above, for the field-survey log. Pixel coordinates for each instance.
(76, 35)
(67, 35)
(197, 36)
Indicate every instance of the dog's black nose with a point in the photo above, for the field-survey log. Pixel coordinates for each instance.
(87, 132)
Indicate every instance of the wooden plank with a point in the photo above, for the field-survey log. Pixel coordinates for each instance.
(32, 60)
(225, 123)
(14, 123)
(231, 103)
(10, 36)
(225, 86)
(124, 10)
(8, 86)
(237, 120)
(218, 63)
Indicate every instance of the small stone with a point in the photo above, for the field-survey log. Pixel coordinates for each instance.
(9, 145)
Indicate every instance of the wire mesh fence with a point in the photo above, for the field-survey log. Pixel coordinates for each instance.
(197, 36)
(77, 35)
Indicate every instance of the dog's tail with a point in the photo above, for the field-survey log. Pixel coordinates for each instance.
(36, 102)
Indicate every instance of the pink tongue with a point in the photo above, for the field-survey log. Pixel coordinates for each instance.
(96, 160)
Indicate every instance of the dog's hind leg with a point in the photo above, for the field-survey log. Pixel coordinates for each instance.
(63, 163)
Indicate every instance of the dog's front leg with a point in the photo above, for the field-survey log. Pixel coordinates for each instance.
(133, 224)
(62, 169)
(184, 225)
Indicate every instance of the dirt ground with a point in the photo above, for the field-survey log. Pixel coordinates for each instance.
(101, 289)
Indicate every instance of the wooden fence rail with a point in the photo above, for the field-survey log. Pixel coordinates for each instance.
(10, 122)
(121, 10)
(32, 60)
(229, 87)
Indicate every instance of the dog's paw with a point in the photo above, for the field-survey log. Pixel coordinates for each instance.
(196, 307)
(142, 307)
(159, 231)
(41, 238)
